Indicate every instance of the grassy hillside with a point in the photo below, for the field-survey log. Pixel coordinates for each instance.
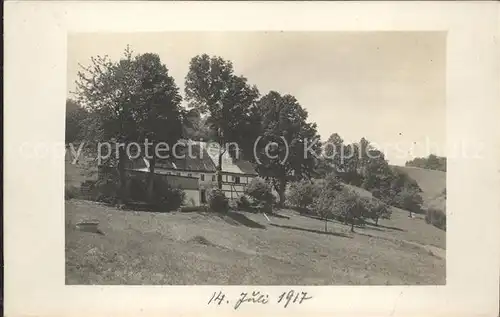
(431, 182)
(244, 248)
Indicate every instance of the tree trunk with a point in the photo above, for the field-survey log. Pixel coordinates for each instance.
(219, 172)
(352, 225)
(151, 178)
(122, 185)
(326, 224)
(281, 192)
(376, 221)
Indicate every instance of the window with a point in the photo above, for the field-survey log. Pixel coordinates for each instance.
(236, 179)
(190, 175)
(178, 174)
(202, 177)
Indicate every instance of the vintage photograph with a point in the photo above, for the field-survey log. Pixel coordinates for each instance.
(255, 158)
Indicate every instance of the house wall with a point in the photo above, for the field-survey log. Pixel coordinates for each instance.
(232, 188)
(232, 178)
(209, 177)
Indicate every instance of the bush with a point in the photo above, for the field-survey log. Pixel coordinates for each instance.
(217, 201)
(71, 192)
(261, 193)
(138, 189)
(409, 200)
(244, 203)
(167, 198)
(104, 190)
(436, 217)
(302, 193)
(260, 190)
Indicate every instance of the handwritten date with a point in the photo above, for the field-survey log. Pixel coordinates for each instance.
(257, 297)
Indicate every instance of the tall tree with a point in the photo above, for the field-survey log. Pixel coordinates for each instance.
(130, 100)
(334, 151)
(157, 109)
(289, 146)
(75, 118)
(351, 163)
(227, 99)
(195, 126)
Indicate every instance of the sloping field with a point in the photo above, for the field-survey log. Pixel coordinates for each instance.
(432, 183)
(244, 248)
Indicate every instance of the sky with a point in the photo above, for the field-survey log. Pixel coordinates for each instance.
(388, 87)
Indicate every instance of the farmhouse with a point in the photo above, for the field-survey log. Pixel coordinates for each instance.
(236, 173)
(199, 160)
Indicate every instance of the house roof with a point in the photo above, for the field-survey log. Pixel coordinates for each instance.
(229, 165)
(200, 157)
(189, 158)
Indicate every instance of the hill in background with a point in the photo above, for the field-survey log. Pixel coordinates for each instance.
(432, 183)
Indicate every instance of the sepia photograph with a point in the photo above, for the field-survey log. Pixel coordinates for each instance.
(256, 158)
(205, 158)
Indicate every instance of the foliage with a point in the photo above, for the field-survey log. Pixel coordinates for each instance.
(345, 159)
(324, 203)
(322, 168)
(261, 193)
(71, 192)
(302, 193)
(376, 209)
(351, 207)
(75, 121)
(409, 200)
(289, 145)
(130, 100)
(138, 188)
(105, 190)
(166, 198)
(361, 164)
(244, 203)
(432, 162)
(217, 201)
(436, 217)
(195, 126)
(212, 88)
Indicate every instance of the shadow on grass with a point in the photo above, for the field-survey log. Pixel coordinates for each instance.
(338, 234)
(241, 219)
(385, 227)
(371, 227)
(277, 215)
(308, 215)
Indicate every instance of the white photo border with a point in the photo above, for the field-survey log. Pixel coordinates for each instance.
(35, 91)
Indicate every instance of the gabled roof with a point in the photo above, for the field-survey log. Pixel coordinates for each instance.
(189, 158)
(229, 165)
